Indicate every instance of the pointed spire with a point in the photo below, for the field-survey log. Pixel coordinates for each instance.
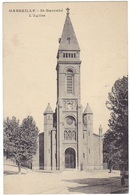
(88, 110)
(68, 40)
(100, 127)
(100, 130)
(48, 110)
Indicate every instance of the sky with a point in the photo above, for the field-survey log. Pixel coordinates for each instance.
(30, 49)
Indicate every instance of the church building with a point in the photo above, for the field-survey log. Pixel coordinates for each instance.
(68, 141)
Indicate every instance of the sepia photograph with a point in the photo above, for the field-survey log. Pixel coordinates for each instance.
(65, 97)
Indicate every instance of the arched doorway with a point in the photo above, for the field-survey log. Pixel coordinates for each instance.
(70, 158)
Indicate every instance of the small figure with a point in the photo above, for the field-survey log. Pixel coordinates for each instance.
(110, 165)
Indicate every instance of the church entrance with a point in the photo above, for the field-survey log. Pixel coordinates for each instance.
(70, 158)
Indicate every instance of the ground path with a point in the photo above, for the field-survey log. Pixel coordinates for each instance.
(67, 182)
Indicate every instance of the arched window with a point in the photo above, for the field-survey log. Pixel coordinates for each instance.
(68, 40)
(65, 135)
(69, 135)
(69, 81)
(73, 135)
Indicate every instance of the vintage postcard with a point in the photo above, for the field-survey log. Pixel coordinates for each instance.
(65, 125)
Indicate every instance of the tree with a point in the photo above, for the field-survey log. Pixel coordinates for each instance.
(20, 141)
(116, 138)
(111, 153)
(11, 127)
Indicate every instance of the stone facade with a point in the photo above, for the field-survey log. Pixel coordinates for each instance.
(68, 141)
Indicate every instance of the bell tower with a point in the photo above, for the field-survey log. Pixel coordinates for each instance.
(69, 112)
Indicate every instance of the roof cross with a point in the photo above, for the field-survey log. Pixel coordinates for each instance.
(68, 11)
